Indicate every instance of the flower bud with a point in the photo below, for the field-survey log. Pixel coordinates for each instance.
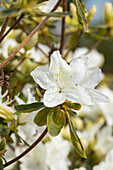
(91, 13)
(108, 11)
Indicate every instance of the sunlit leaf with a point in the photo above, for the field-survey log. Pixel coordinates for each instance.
(41, 117)
(29, 107)
(75, 139)
(69, 105)
(55, 121)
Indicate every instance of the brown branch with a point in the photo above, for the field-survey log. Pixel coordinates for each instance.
(28, 149)
(73, 46)
(4, 26)
(47, 40)
(16, 22)
(63, 27)
(43, 52)
(28, 37)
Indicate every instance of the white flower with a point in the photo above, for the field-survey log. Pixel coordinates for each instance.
(47, 6)
(26, 131)
(104, 140)
(82, 168)
(4, 108)
(95, 58)
(107, 164)
(7, 44)
(36, 54)
(57, 153)
(74, 82)
(35, 159)
(88, 135)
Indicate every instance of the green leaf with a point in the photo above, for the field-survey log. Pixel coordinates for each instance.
(9, 2)
(81, 10)
(6, 12)
(20, 139)
(71, 113)
(53, 14)
(29, 107)
(69, 105)
(1, 165)
(75, 139)
(41, 117)
(2, 144)
(55, 121)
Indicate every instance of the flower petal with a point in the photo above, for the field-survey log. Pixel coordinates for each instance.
(52, 97)
(59, 69)
(79, 68)
(78, 94)
(92, 78)
(42, 77)
(98, 96)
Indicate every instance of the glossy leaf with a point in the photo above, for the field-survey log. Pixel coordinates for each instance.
(41, 117)
(53, 14)
(6, 12)
(1, 164)
(29, 107)
(69, 105)
(71, 113)
(81, 13)
(75, 139)
(55, 121)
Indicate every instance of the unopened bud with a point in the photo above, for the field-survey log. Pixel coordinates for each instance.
(91, 13)
(108, 11)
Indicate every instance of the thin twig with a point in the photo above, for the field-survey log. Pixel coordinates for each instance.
(28, 149)
(43, 52)
(73, 46)
(16, 22)
(47, 40)
(4, 26)
(63, 27)
(28, 37)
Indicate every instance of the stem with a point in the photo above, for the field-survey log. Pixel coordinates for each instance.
(71, 48)
(28, 37)
(27, 150)
(47, 40)
(16, 22)
(4, 26)
(43, 52)
(63, 28)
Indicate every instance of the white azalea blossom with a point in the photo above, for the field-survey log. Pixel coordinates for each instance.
(74, 82)
(4, 108)
(47, 6)
(26, 131)
(57, 153)
(82, 168)
(88, 135)
(104, 140)
(95, 58)
(107, 164)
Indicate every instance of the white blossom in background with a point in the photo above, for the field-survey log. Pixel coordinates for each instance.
(107, 164)
(82, 168)
(100, 109)
(47, 6)
(88, 135)
(7, 44)
(95, 58)
(58, 150)
(74, 82)
(4, 104)
(104, 140)
(26, 131)
(35, 159)
(51, 155)
(36, 54)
